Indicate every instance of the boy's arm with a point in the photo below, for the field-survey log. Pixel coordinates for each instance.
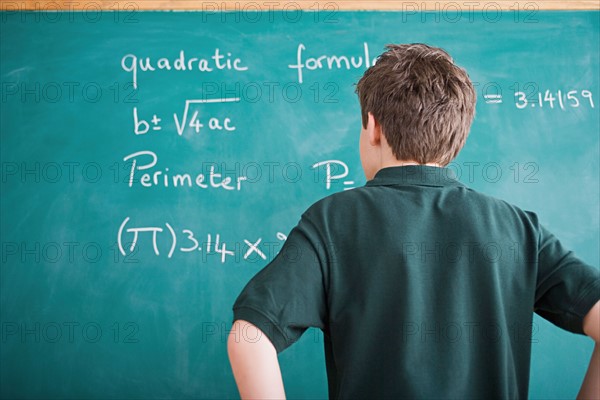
(254, 362)
(590, 388)
(284, 299)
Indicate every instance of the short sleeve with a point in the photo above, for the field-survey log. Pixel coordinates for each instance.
(289, 294)
(567, 288)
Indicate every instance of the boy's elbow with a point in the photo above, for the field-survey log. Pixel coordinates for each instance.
(591, 323)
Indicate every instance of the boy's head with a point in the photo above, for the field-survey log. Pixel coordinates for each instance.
(416, 103)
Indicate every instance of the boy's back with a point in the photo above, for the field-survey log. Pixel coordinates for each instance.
(422, 286)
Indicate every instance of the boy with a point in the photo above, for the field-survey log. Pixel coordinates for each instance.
(423, 287)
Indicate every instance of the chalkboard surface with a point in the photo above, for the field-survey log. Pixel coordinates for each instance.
(153, 162)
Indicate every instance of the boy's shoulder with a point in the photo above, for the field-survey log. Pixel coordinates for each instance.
(346, 204)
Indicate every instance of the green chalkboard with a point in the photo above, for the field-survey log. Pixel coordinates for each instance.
(153, 162)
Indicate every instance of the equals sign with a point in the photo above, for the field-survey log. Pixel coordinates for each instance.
(348, 183)
(493, 98)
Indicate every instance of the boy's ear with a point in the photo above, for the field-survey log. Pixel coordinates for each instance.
(373, 130)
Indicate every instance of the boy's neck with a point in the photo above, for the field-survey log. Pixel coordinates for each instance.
(402, 163)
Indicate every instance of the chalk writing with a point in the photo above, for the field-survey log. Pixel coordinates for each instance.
(254, 249)
(331, 167)
(330, 61)
(163, 177)
(217, 61)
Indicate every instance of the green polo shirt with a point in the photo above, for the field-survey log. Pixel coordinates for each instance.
(423, 287)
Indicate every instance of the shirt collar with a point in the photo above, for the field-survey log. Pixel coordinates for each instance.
(423, 175)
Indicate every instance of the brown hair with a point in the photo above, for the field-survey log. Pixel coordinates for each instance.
(424, 102)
